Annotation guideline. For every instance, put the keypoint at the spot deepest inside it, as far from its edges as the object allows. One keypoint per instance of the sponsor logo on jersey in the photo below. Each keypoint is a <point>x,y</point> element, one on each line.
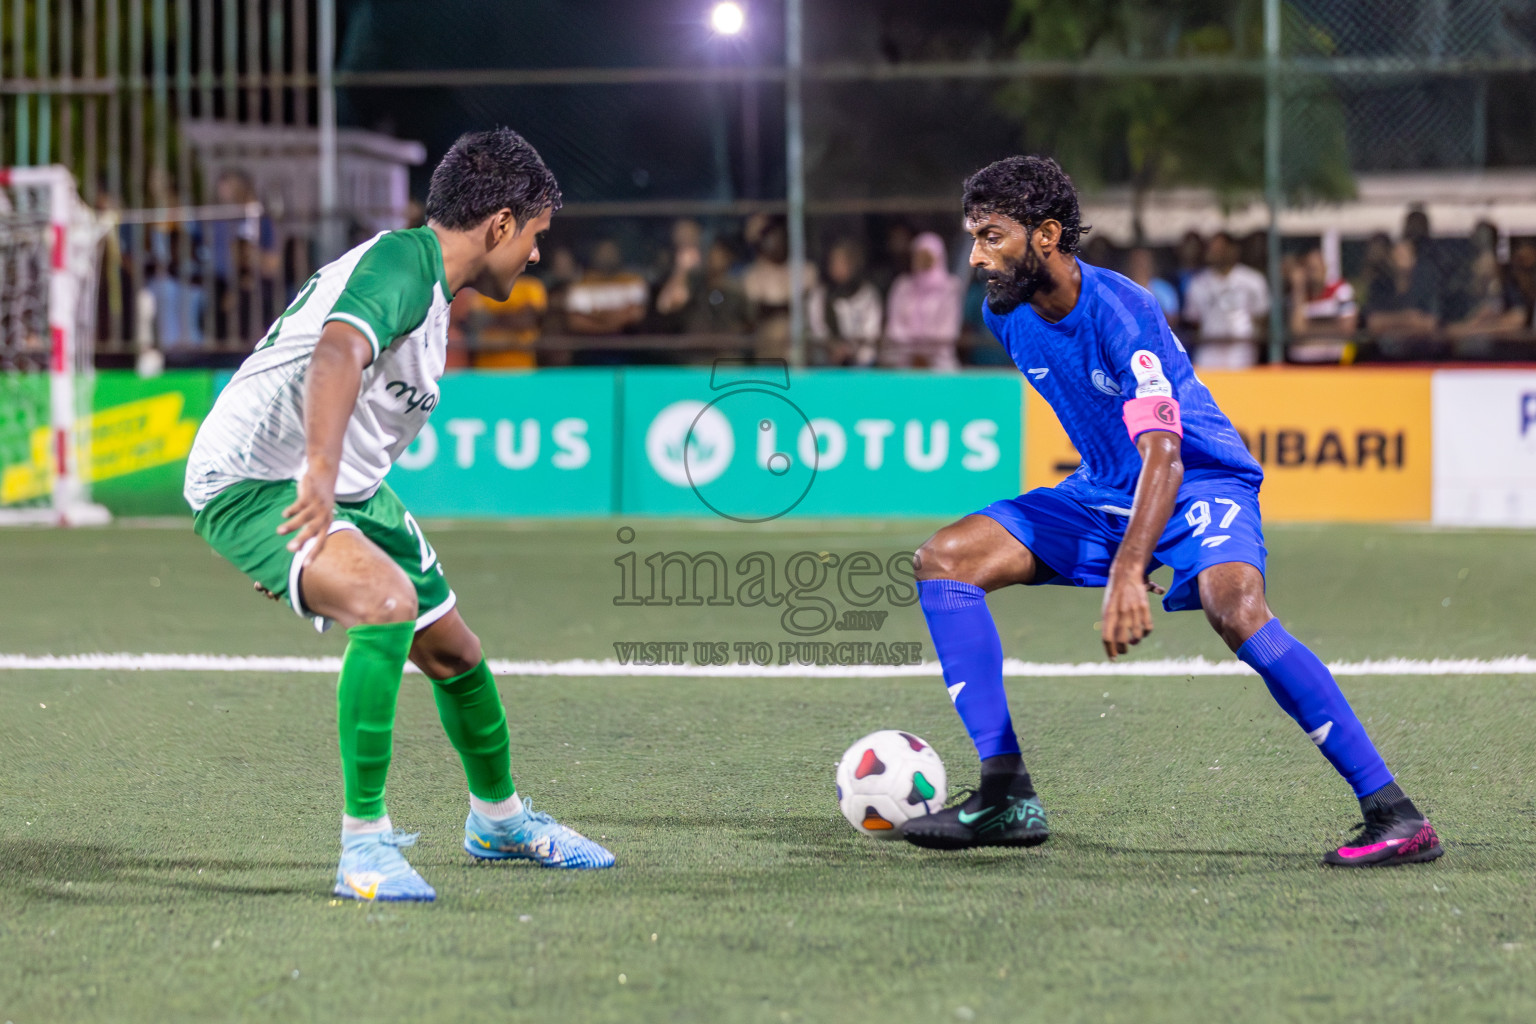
<point>1105,383</point>
<point>690,443</point>
<point>1038,372</point>
<point>414,399</point>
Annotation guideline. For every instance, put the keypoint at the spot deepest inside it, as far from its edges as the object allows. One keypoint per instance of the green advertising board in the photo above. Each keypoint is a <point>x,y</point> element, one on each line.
<point>744,442</point>
<point>141,434</point>
<point>514,444</point>
<point>752,443</point>
<point>141,431</point>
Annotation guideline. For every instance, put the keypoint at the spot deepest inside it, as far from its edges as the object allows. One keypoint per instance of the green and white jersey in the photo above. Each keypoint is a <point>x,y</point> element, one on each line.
<point>393,289</point>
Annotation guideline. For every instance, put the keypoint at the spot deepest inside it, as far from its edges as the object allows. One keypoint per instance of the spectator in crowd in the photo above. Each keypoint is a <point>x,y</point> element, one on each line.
<point>922,322</point>
<point>707,299</point>
<point>114,321</point>
<point>1520,280</point>
<point>1486,306</point>
<point>767,287</point>
<point>245,262</point>
<point>1227,301</point>
<point>173,282</point>
<point>844,314</point>
<point>1141,267</point>
<point>680,277</point>
<point>1376,263</point>
<point>1416,226</point>
<point>608,298</point>
<point>1403,299</point>
<point>895,260</point>
<point>1253,251</point>
<point>563,272</point>
<point>1445,265</point>
<point>1191,260</point>
<point>499,335</point>
<point>1323,312</point>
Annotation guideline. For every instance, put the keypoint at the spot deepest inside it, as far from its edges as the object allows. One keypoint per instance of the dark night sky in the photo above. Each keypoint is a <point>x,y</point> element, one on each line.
<point>650,142</point>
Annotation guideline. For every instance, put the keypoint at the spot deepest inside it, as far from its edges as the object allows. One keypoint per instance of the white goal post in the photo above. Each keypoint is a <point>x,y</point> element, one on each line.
<point>50,244</point>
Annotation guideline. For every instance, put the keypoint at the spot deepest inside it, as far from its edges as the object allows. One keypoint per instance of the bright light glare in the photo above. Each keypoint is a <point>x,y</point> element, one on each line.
<point>728,19</point>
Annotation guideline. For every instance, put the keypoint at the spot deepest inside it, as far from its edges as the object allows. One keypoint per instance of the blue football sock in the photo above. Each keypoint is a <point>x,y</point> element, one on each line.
<point>1305,689</point>
<point>965,639</point>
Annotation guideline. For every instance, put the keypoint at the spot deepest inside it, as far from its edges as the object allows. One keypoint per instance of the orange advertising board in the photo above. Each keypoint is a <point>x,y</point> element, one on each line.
<point>1344,445</point>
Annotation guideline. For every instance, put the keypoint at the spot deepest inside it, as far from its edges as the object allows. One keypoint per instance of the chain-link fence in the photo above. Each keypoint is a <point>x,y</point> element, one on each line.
<point>1177,120</point>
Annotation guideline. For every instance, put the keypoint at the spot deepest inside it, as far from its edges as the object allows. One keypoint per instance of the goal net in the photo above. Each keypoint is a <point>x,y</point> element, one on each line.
<point>50,243</point>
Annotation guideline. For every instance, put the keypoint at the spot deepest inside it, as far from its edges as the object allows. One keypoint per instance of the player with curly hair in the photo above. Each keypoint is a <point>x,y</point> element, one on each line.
<point>1164,480</point>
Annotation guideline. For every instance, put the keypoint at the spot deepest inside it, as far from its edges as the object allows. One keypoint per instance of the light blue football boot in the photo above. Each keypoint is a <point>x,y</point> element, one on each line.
<point>372,868</point>
<point>532,835</point>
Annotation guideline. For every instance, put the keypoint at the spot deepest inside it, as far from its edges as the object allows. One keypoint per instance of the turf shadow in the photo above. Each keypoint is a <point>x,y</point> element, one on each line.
<point>41,869</point>
<point>1292,857</point>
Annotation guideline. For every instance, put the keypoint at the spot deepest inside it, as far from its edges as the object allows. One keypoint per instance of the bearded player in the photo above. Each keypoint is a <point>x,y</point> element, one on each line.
<point>1164,480</point>
<point>287,481</point>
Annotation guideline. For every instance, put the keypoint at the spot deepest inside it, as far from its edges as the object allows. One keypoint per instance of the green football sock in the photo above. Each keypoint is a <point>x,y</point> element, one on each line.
<point>476,725</point>
<point>365,705</point>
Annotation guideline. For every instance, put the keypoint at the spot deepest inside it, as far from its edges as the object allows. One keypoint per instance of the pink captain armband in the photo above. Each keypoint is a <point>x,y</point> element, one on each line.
<point>1152,413</point>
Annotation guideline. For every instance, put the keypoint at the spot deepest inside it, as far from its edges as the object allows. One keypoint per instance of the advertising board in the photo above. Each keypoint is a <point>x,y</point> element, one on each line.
<point>1346,446</point>
<point>514,444</point>
<point>1485,448</point>
<point>752,443</point>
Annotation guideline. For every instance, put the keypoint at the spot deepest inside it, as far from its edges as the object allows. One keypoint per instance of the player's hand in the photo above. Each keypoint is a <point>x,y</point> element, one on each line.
<point>1127,615</point>
<point>309,517</point>
<point>264,592</point>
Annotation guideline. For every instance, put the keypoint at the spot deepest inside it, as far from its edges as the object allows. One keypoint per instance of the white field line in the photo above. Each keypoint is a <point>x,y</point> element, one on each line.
<point>1521,666</point>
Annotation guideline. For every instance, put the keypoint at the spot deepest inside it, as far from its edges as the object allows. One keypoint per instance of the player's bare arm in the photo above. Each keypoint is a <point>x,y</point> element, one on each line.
<point>330,396</point>
<point>1127,615</point>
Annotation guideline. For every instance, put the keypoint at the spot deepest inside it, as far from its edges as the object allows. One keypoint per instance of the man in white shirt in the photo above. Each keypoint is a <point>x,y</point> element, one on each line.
<point>1227,302</point>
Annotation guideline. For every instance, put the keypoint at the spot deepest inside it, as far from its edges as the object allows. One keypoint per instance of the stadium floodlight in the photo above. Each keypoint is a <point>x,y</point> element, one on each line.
<point>727,18</point>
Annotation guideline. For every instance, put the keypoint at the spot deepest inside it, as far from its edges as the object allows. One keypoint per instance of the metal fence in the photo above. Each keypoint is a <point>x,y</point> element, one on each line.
<point>854,119</point>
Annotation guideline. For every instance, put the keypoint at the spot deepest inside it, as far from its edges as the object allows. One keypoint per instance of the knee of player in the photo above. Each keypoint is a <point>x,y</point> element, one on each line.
<point>1237,616</point>
<point>393,603</point>
<point>940,557</point>
<point>462,657</point>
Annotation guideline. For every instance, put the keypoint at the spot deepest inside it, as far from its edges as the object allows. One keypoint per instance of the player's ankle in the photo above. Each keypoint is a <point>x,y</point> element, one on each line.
<point>497,810</point>
<point>351,826</point>
<point>1002,764</point>
<point>1004,776</point>
<point>1388,799</point>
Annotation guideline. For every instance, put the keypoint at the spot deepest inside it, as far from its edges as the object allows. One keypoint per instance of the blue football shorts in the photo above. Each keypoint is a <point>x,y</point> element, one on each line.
<point>1211,523</point>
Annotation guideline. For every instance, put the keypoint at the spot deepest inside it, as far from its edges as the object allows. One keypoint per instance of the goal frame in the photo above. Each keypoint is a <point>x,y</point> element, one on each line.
<point>70,501</point>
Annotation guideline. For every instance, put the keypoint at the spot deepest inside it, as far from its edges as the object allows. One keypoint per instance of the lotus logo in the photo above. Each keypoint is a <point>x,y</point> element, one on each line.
<point>690,443</point>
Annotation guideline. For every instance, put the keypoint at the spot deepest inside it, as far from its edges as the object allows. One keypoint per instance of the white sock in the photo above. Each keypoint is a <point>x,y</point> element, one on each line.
<point>351,826</point>
<point>496,809</point>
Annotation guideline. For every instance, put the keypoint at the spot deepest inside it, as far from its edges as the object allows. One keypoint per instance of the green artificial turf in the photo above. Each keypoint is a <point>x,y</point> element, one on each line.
<point>168,840</point>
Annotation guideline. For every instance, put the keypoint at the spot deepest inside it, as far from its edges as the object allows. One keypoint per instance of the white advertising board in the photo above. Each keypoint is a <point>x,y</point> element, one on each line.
<point>1485,447</point>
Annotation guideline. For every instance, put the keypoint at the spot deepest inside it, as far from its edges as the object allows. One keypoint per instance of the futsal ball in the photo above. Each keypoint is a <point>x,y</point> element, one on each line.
<point>887,778</point>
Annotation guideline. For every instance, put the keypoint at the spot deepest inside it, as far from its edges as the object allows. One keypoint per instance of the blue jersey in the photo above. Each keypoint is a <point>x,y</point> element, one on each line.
<point>1115,347</point>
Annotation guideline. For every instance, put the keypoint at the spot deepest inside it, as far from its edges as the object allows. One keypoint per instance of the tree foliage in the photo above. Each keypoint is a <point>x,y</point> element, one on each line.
<point>1201,130</point>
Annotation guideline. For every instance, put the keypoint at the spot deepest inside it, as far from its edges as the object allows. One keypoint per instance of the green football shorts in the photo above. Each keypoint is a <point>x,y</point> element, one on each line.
<point>241,524</point>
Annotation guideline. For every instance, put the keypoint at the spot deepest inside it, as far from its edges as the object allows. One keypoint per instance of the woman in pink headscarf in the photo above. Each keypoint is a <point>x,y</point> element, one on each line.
<point>923,312</point>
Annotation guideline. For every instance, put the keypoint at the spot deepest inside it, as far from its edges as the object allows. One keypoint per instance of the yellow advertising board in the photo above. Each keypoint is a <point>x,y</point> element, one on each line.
<point>1342,445</point>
